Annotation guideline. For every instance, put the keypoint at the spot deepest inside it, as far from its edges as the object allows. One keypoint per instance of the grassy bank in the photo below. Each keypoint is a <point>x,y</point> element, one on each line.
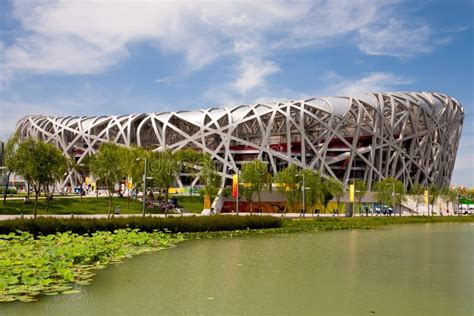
<point>92,205</point>
<point>335,223</point>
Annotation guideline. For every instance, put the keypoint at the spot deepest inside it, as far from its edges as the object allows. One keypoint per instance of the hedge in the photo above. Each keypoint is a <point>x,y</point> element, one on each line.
<point>51,225</point>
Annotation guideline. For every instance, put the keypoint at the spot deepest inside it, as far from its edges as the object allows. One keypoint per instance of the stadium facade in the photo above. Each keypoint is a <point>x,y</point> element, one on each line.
<point>410,136</point>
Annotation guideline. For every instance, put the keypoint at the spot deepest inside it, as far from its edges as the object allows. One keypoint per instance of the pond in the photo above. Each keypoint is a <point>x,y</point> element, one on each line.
<point>424,269</point>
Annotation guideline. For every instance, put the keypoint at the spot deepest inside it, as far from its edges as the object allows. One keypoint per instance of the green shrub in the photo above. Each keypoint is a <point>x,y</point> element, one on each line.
<point>9,190</point>
<point>49,225</point>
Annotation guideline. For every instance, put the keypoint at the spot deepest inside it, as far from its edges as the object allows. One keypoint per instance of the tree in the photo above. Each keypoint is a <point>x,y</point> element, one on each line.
<point>434,191</point>
<point>390,191</point>
<point>134,166</point>
<point>337,190</point>
<point>416,193</point>
<point>360,189</point>
<point>59,169</point>
<point>10,161</point>
<point>255,176</point>
<point>82,169</point>
<point>163,169</point>
<point>209,177</point>
<point>289,182</point>
<point>107,166</point>
<point>449,196</point>
<point>327,192</point>
<point>314,188</point>
<point>40,164</point>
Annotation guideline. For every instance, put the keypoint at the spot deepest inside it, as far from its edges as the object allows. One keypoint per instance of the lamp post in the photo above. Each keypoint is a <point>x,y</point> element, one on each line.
<point>303,189</point>
<point>145,171</point>
<point>393,196</point>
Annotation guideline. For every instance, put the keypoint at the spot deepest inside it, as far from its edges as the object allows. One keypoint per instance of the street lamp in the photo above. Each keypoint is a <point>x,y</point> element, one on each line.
<point>144,184</point>
<point>393,196</point>
<point>303,190</point>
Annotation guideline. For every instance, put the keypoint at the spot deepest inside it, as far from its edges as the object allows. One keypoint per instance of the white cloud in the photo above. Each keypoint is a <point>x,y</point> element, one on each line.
<point>372,82</point>
<point>395,38</point>
<point>88,37</point>
<point>252,74</point>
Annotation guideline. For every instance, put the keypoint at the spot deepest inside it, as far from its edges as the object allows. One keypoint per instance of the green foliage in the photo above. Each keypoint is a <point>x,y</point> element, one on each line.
<point>54,263</point>
<point>450,196</point>
<point>360,190</point>
<point>49,225</point>
<point>289,181</point>
<point>340,223</point>
<point>337,189</point>
<point>331,187</point>
<point>209,177</point>
<point>10,151</point>
<point>417,194</point>
<point>163,167</point>
<point>73,205</point>
<point>189,157</point>
<point>133,168</point>
<point>314,187</point>
<point>40,164</point>
<point>192,204</point>
<point>108,167</point>
<point>4,190</point>
<point>386,189</point>
<point>255,177</point>
<point>434,192</point>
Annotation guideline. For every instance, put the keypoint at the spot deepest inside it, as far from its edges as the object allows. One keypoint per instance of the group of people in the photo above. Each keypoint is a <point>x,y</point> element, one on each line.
<point>161,203</point>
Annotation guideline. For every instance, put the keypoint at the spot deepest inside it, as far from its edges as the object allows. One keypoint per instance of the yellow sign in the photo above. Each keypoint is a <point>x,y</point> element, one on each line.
<point>426,197</point>
<point>351,193</point>
<point>175,190</point>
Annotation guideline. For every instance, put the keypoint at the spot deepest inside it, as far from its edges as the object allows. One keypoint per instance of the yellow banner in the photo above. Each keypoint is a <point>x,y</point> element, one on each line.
<point>207,201</point>
<point>426,197</point>
<point>235,186</point>
<point>351,193</point>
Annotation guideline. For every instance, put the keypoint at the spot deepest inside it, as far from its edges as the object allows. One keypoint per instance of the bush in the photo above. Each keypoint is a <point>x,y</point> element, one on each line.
<point>9,191</point>
<point>49,225</point>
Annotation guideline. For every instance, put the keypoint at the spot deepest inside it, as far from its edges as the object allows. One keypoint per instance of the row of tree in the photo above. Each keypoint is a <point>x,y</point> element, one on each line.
<point>43,165</point>
<point>320,190</point>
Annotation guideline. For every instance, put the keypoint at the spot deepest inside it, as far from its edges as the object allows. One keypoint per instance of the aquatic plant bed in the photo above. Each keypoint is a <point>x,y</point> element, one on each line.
<point>52,264</point>
<point>36,263</point>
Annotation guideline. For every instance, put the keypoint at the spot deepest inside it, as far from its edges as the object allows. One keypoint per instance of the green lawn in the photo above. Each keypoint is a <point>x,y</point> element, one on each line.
<point>93,205</point>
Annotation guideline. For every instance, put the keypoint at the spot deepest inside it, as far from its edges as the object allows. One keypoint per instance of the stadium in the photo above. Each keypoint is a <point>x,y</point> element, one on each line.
<point>411,136</point>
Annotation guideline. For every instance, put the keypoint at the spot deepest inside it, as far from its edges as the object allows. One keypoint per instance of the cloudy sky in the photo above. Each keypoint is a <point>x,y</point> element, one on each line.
<point>115,57</point>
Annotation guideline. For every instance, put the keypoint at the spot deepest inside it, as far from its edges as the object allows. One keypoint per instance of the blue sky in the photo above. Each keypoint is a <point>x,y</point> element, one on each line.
<point>110,57</point>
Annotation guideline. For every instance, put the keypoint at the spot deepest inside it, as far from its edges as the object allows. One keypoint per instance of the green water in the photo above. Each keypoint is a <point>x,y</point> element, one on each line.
<point>399,270</point>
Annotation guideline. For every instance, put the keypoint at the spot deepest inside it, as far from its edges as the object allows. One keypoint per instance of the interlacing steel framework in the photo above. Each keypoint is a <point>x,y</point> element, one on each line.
<point>406,135</point>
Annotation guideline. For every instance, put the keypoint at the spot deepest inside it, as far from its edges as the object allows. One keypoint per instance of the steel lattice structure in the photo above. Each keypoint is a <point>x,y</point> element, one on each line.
<point>410,136</point>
